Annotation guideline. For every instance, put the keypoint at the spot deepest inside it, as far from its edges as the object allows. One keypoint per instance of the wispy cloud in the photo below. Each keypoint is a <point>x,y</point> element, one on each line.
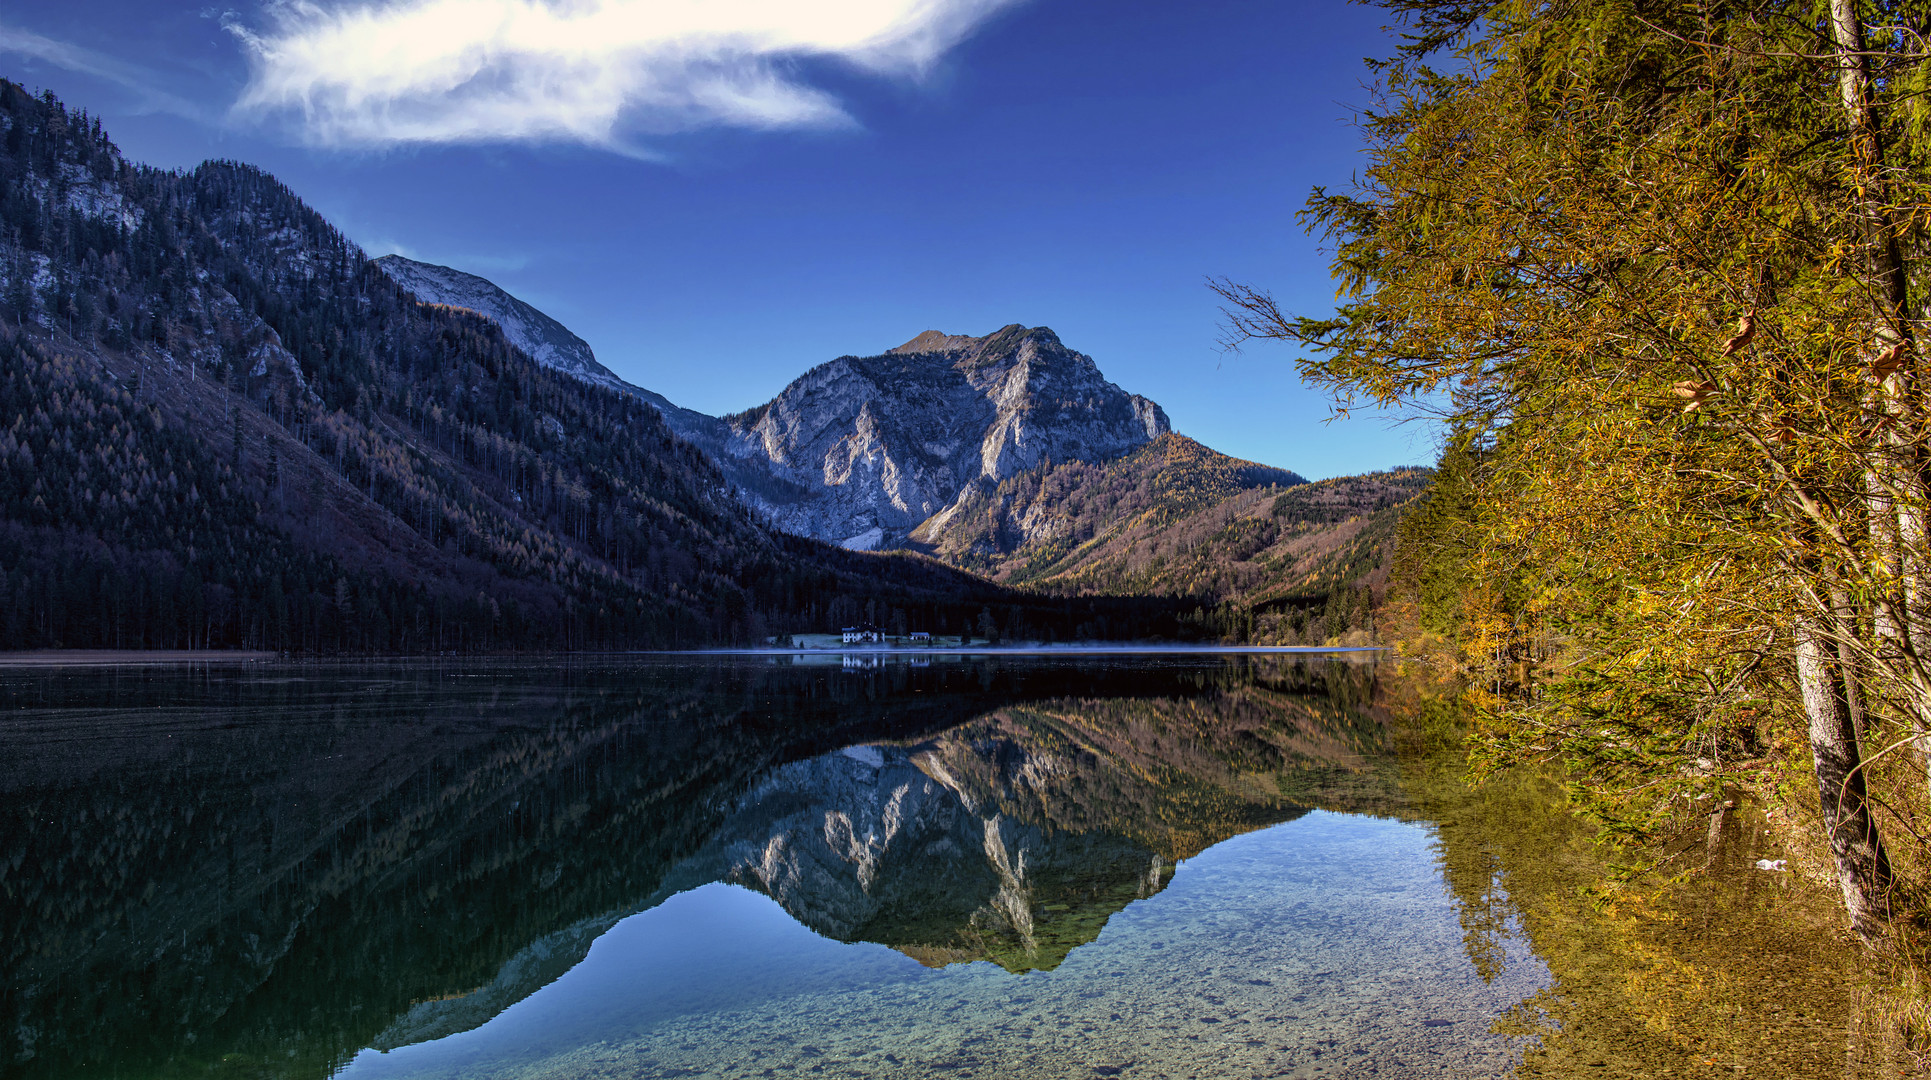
<point>88,62</point>
<point>600,72</point>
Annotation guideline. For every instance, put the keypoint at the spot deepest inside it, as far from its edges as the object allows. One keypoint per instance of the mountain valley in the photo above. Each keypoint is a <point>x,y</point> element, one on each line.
<point>231,428</point>
<point>1012,457</point>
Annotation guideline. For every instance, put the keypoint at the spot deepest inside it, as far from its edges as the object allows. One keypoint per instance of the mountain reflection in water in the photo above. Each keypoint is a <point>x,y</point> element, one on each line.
<point>225,866</point>
<point>1012,837</point>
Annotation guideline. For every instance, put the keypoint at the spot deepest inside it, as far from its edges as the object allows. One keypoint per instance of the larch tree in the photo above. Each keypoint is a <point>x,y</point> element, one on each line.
<point>1661,268</point>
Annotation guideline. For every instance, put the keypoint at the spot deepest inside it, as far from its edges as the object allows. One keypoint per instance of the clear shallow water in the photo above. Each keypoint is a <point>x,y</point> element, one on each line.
<point>1321,947</point>
<point>1182,866</point>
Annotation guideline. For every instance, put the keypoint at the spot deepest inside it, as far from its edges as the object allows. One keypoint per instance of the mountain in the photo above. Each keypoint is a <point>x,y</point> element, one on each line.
<point>542,339</point>
<point>222,426</point>
<point>1176,518</point>
<point>861,451</point>
<point>1307,565</point>
<point>1036,519</point>
<point>875,446</point>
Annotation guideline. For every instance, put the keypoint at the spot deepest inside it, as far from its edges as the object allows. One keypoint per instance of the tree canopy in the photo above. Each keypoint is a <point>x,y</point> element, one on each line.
<point>1660,270</point>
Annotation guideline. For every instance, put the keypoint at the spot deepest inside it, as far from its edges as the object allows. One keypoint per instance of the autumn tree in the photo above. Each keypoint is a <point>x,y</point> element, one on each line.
<point>1661,270</point>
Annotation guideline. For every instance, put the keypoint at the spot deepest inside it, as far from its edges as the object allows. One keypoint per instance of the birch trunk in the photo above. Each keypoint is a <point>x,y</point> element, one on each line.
<point>1895,487</point>
<point>1863,868</point>
<point>1844,614</point>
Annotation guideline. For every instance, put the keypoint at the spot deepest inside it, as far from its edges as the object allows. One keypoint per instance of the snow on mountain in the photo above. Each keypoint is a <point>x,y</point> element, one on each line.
<point>547,341</point>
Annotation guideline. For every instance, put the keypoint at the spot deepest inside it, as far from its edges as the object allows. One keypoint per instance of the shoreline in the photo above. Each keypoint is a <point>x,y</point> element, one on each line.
<point>118,657</point>
<point>159,657</point>
<point>1024,650</point>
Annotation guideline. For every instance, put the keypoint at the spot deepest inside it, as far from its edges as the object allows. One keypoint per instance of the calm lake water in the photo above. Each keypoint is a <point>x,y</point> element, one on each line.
<point>1187,866</point>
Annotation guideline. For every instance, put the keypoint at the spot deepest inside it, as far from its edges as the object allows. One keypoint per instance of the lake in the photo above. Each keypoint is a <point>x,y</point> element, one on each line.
<point>864,865</point>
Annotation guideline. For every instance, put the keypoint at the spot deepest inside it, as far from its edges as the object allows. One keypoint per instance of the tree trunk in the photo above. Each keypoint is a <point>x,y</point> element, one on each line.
<point>1896,487</point>
<point>1883,257</point>
<point>1863,869</point>
<point>1844,614</point>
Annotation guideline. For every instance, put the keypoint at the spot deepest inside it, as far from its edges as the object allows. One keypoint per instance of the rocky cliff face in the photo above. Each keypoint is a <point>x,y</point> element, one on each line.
<point>866,449</point>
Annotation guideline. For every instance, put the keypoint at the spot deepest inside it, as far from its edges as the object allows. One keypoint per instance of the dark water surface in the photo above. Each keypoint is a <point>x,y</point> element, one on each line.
<point>1189,866</point>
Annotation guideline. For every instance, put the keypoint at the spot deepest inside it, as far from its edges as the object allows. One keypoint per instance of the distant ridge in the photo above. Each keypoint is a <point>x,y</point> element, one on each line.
<point>542,338</point>
<point>1010,455</point>
<point>1265,551</point>
<point>860,451</point>
<point>1043,521</point>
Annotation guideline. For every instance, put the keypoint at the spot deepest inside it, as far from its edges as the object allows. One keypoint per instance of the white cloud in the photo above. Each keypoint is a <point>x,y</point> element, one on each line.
<point>590,71</point>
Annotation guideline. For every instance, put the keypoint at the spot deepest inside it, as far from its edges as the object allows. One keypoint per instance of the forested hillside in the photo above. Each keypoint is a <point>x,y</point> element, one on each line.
<point>1258,553</point>
<point>221,426</point>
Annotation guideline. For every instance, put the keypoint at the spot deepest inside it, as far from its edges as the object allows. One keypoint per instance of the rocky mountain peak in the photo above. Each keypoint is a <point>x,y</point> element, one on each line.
<point>935,341</point>
<point>966,351</point>
<point>874,446</point>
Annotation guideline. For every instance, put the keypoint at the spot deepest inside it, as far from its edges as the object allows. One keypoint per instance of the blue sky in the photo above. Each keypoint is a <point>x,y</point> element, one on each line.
<point>772,183</point>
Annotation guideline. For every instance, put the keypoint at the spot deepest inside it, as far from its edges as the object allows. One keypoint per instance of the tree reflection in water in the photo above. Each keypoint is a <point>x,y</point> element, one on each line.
<point>1705,966</point>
